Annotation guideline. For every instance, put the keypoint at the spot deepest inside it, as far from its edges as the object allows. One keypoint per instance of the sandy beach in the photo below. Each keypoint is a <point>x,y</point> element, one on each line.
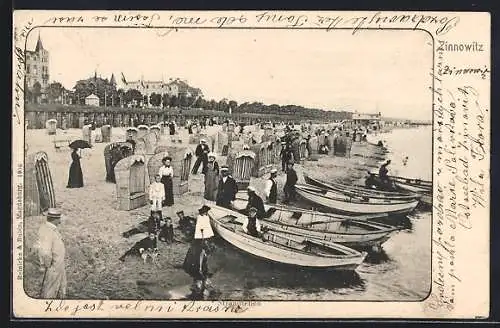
<point>92,227</point>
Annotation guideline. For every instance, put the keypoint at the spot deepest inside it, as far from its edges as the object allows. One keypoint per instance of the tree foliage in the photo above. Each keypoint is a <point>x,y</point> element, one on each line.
<point>133,96</point>
<point>54,92</point>
<point>155,99</point>
<point>36,92</point>
<point>102,88</point>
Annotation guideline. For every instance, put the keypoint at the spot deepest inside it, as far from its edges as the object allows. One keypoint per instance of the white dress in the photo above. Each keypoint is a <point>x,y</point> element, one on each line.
<point>203,223</point>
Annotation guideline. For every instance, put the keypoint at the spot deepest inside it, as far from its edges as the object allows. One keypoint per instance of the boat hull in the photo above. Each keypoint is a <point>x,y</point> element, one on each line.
<point>241,201</point>
<point>361,191</point>
<point>412,188</point>
<point>267,251</point>
<point>425,193</point>
<point>342,206</point>
<point>354,240</point>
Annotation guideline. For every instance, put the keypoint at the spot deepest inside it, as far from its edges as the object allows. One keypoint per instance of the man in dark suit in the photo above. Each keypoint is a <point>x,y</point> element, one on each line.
<point>291,180</point>
<point>166,231</point>
<point>201,153</point>
<point>254,201</point>
<point>186,224</point>
<point>286,155</point>
<point>227,189</point>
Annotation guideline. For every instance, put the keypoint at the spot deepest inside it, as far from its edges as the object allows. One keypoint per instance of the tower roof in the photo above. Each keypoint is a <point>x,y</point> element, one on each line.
<point>39,45</point>
<point>112,79</point>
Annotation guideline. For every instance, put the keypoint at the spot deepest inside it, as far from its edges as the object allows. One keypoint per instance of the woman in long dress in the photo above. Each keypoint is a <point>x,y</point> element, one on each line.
<point>166,173</point>
<point>75,179</point>
<point>211,178</point>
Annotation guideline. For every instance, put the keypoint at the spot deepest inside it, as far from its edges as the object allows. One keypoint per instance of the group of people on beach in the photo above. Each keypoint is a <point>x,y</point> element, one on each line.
<point>220,187</point>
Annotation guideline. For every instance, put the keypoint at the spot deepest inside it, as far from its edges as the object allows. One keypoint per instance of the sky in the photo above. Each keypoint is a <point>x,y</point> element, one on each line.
<point>372,71</point>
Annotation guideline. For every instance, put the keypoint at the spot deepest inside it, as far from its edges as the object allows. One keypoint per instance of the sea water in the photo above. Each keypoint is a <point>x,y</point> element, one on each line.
<point>400,272</point>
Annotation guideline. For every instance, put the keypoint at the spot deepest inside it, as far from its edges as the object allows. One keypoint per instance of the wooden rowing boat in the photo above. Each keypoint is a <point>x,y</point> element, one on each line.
<point>418,183</point>
<point>425,193</point>
<point>412,187</point>
<point>417,186</point>
<point>323,226</point>
<point>354,205</point>
<point>282,247</point>
<point>353,190</point>
<point>241,202</point>
<point>357,231</point>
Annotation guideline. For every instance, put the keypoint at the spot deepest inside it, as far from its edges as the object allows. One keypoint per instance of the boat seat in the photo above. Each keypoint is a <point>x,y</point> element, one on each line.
<point>276,215</point>
<point>270,212</point>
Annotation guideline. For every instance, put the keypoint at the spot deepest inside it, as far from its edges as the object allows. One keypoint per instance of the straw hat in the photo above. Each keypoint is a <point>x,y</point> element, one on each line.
<point>204,209</point>
<point>53,213</point>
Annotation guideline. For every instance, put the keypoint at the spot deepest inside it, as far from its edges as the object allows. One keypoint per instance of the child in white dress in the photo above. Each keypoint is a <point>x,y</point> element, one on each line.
<point>156,194</point>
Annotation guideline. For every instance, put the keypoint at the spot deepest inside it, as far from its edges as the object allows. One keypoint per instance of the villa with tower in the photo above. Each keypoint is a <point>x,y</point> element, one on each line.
<point>37,72</point>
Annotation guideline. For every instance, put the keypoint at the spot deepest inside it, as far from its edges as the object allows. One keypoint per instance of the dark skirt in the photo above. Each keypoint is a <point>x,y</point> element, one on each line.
<point>75,179</point>
<point>196,165</point>
<point>169,190</point>
<point>191,263</point>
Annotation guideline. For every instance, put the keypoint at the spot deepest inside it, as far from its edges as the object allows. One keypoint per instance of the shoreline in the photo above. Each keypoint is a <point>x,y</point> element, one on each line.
<point>92,227</point>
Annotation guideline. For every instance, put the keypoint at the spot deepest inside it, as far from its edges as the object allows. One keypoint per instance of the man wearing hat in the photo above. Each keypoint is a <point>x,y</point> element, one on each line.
<point>187,224</point>
<point>51,251</point>
<point>383,175</point>
<point>254,201</point>
<point>286,155</point>
<point>227,188</point>
<point>291,180</point>
<point>271,189</point>
<point>251,225</point>
<point>201,153</point>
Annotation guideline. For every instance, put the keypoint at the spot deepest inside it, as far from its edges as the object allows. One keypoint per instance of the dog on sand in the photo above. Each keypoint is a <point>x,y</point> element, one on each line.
<point>150,253</point>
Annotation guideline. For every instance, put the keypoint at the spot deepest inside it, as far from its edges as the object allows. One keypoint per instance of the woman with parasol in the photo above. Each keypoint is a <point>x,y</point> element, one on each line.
<point>75,179</point>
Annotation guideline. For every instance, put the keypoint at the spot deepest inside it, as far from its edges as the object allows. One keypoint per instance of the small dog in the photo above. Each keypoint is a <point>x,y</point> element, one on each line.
<point>150,253</point>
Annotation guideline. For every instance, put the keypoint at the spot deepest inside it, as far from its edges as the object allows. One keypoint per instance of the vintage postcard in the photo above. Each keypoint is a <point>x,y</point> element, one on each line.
<point>251,164</point>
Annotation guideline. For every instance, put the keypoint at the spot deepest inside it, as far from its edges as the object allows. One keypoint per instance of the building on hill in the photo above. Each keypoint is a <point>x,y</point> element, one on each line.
<point>37,71</point>
<point>371,121</point>
<point>103,88</point>
<point>174,87</point>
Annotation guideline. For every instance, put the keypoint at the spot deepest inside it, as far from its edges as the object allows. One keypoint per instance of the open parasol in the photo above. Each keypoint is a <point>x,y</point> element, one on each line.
<point>79,144</point>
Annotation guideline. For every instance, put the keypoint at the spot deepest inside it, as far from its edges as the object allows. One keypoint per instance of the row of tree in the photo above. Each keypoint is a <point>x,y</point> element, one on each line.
<point>110,96</point>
